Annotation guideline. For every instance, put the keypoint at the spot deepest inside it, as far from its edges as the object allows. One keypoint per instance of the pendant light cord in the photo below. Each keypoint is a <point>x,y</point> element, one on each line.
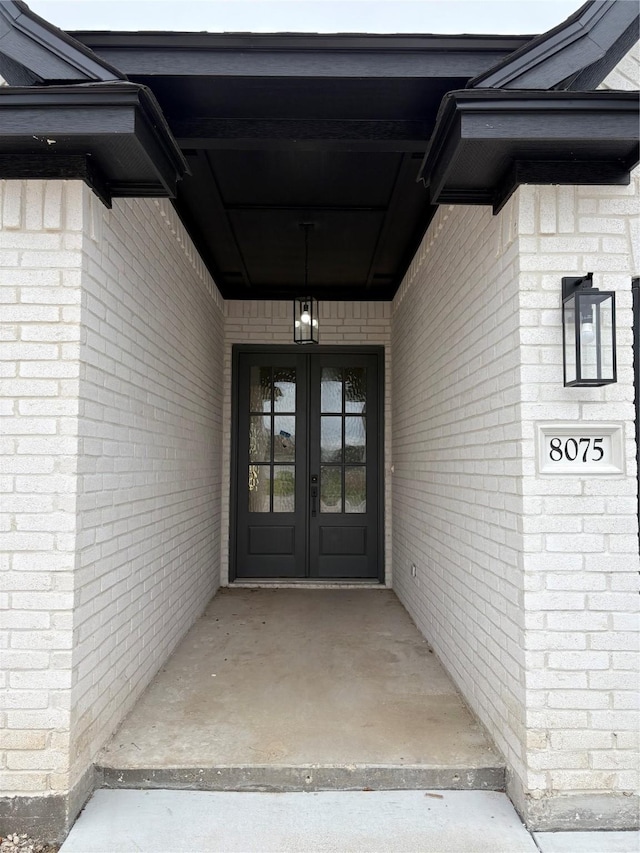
<point>306,227</point>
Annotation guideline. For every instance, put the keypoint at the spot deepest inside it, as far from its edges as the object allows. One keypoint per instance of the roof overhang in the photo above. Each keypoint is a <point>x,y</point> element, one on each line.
<point>113,135</point>
<point>254,134</point>
<point>280,129</point>
<point>488,142</point>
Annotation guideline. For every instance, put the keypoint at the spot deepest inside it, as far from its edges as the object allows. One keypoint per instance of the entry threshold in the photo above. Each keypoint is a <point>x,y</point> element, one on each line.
<point>304,583</point>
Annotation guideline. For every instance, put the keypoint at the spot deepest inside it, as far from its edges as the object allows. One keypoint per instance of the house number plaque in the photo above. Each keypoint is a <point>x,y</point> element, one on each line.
<point>579,448</point>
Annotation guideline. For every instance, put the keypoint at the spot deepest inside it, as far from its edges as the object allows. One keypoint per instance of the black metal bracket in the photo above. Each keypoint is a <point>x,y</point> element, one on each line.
<point>572,283</point>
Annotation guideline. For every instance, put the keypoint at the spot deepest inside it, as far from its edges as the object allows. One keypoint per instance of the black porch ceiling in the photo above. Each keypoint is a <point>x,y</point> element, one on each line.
<point>281,130</point>
<point>357,135</point>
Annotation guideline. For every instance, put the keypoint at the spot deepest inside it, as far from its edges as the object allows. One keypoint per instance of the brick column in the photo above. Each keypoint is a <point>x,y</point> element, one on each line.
<point>580,540</point>
<point>40,273</point>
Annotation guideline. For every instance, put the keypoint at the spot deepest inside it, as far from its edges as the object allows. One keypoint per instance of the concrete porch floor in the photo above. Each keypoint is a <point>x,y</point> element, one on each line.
<point>300,689</point>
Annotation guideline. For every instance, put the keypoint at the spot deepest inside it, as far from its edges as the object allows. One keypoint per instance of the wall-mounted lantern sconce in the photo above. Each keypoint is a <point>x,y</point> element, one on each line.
<point>305,308</point>
<point>589,332</point>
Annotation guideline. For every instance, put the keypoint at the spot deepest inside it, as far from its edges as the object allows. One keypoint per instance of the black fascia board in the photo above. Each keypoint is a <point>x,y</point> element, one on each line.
<point>118,126</point>
<point>302,134</point>
<point>300,55</point>
<point>577,54</point>
<point>286,42</point>
<point>506,120</point>
<point>37,52</point>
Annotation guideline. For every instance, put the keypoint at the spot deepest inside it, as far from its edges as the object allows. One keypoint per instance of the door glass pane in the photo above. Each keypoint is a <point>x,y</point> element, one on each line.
<point>330,489</point>
<point>331,389</point>
<point>284,389</point>
<point>284,488</point>
<point>331,439</point>
<point>355,439</point>
<point>355,389</point>
<point>259,488</point>
<point>260,389</point>
<point>284,438</point>
<point>355,489</point>
<point>260,438</point>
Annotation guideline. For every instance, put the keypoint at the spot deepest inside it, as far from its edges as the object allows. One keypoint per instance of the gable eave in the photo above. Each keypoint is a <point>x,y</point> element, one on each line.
<point>37,52</point>
<point>581,51</point>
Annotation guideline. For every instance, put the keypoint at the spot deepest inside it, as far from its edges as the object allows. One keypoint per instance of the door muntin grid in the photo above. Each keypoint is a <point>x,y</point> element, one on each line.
<point>343,440</point>
<point>272,439</point>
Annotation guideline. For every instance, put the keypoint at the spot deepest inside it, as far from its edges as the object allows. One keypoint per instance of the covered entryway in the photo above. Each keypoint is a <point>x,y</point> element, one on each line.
<point>307,478</point>
<point>451,182</point>
<point>302,689</point>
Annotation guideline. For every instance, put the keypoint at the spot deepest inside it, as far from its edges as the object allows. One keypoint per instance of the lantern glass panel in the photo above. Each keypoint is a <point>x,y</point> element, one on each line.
<point>569,339</point>
<point>305,317</point>
<point>597,338</point>
<point>589,337</point>
<point>589,334</point>
<point>607,336</point>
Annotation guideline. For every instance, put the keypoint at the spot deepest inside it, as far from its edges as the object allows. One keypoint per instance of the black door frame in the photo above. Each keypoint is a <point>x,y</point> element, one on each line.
<point>366,349</point>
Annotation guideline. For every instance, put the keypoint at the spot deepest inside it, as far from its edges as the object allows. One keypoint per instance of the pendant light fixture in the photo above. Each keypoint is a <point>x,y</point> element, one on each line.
<point>305,308</point>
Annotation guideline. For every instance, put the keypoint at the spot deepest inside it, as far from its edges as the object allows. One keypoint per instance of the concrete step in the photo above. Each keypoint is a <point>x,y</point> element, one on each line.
<point>311,777</point>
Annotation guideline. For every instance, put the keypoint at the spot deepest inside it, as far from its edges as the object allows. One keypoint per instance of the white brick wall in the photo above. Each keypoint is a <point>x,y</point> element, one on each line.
<point>113,368</point>
<point>340,323</point>
<point>40,294</point>
<point>150,452</point>
<point>457,500</point>
<point>527,587</point>
<point>580,533</point>
<point>581,545</point>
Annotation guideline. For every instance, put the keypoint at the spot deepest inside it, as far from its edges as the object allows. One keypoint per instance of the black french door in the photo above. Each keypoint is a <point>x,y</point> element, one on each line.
<point>306,491</point>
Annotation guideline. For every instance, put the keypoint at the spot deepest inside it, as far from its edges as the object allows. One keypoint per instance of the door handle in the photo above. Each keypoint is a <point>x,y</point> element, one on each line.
<point>314,494</point>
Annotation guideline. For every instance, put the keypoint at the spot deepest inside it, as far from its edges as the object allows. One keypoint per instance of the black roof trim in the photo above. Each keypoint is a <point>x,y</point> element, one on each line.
<point>116,128</point>
<point>143,56</point>
<point>286,42</point>
<point>37,52</point>
<point>556,137</point>
<point>579,53</point>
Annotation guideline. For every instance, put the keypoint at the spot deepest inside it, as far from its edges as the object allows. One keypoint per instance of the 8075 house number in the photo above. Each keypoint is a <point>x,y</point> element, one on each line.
<point>572,448</point>
<point>584,449</point>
